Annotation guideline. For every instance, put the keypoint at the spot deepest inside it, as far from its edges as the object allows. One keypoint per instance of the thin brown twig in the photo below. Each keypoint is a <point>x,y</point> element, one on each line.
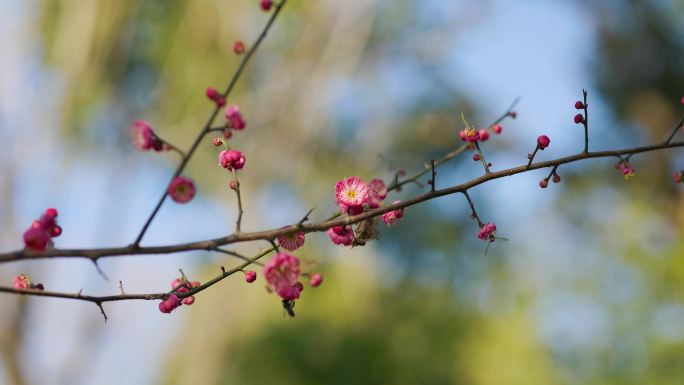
<point>99,300</point>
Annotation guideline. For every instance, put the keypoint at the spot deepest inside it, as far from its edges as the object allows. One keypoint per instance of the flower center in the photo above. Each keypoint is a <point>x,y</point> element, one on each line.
<point>351,194</point>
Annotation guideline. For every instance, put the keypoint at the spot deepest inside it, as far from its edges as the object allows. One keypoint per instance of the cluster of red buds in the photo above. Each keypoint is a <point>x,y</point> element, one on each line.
<point>41,232</point>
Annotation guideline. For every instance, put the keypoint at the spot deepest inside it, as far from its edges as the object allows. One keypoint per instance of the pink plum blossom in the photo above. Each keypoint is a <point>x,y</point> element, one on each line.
<point>391,217</point>
<point>292,241</point>
<point>486,231</point>
<point>341,235</point>
<point>282,274</point>
<point>377,192</point>
<point>181,189</point>
<point>234,116</point>
<point>232,159</point>
<point>351,191</point>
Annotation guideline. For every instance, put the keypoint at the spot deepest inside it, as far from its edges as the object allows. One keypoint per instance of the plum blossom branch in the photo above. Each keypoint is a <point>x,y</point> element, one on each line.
<point>269,235</point>
<point>99,300</point>
<point>494,127</point>
<point>207,126</point>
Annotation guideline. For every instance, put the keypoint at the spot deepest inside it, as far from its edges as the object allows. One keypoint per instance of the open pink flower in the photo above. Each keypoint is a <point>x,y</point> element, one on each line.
<point>486,231</point>
<point>282,274</point>
<point>391,217</point>
<point>341,235</point>
<point>181,189</point>
<point>469,134</point>
<point>292,241</point>
<point>234,116</point>
<point>232,159</point>
<point>21,281</point>
<point>377,192</point>
<point>351,191</point>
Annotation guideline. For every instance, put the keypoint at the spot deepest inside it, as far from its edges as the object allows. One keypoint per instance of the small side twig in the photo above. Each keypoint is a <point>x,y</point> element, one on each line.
<point>472,208</point>
<point>238,221</point>
<point>433,181</point>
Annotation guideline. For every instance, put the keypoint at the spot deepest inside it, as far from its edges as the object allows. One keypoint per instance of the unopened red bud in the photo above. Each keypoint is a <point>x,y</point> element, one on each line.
<point>529,156</point>
<point>579,118</point>
<point>250,276</point>
<point>556,178</point>
<point>579,105</point>
<point>429,181</point>
<point>497,129</point>
<point>232,184</point>
<point>212,93</point>
<point>239,47</point>
<point>55,231</point>
<point>227,134</point>
<point>221,101</point>
<point>543,141</point>
<point>489,164</point>
<point>217,142</point>
<point>513,114</point>
<point>476,157</point>
<point>543,183</point>
<point>266,5</point>
<point>677,177</point>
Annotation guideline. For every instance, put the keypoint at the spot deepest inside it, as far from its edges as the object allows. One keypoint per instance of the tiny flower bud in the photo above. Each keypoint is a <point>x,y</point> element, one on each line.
<point>55,231</point>
<point>227,134</point>
<point>316,279</point>
<point>212,93</point>
<point>298,286</point>
<point>677,177</point>
<point>476,157</point>
<point>189,300</point>
<point>489,164</point>
<point>239,47</point>
<point>484,135</point>
<point>543,183</point>
<point>497,129</point>
<point>543,141</point>
<point>579,118</point>
<point>556,178</point>
<point>513,114</point>
<point>250,276</point>
<point>682,100</point>
<point>218,142</point>
<point>51,213</point>
<point>232,184</point>
<point>220,101</point>
<point>529,156</point>
<point>579,105</point>
<point>266,5</point>
<point>429,181</point>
